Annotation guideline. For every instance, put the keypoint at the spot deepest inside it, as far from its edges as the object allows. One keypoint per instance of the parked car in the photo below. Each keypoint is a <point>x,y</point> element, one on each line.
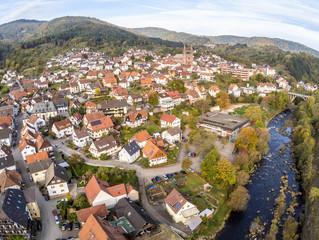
<point>62,200</point>
<point>169,175</point>
<point>158,179</point>
<point>165,177</point>
<point>70,226</point>
<point>55,213</point>
<point>183,172</point>
<point>28,170</point>
<point>39,226</point>
<point>31,178</point>
<point>64,225</point>
<point>154,180</point>
<point>190,154</point>
<point>193,154</point>
<point>185,140</point>
<point>47,197</point>
<point>22,184</point>
<point>19,170</point>
<point>76,226</point>
<point>57,221</point>
<point>191,170</point>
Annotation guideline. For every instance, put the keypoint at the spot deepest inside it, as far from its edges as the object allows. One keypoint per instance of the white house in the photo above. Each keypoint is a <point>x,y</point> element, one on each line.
<point>266,87</point>
<point>5,136</point>
<point>81,138</point>
<point>56,181</point>
<point>213,90</point>
<point>182,210</point>
<point>130,152</point>
<point>234,89</point>
<point>106,145</point>
<point>172,135</point>
<point>154,155</point>
<point>100,192</point>
<point>170,121</point>
<point>27,148</point>
<point>62,128</point>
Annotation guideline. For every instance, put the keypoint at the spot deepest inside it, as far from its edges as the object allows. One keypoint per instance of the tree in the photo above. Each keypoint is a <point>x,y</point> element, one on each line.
<point>102,173</point>
<point>314,194</point>
<point>239,199</point>
<point>242,160</point>
<point>97,91</point>
<point>290,228</point>
<point>207,166</point>
<point>282,99</point>
<point>202,105</point>
<point>247,138</point>
<point>81,201</point>
<point>254,113</point>
<point>222,99</point>
<point>153,99</point>
<point>186,163</point>
<point>81,110</point>
<point>225,172</point>
<point>177,85</point>
<point>103,156</point>
<point>242,178</point>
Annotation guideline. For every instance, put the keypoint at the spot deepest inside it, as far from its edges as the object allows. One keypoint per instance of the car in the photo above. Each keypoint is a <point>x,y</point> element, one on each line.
<point>191,170</point>
<point>62,200</point>
<point>70,238</point>
<point>185,140</point>
<point>169,175</point>
<point>183,172</point>
<point>55,213</point>
<point>76,148</point>
<point>39,226</point>
<point>19,170</point>
<point>158,179</point>
<point>22,184</point>
<point>176,173</point>
<point>46,197</point>
<point>31,178</point>
<point>165,177</point>
<point>154,180</point>
<point>70,226</point>
<point>190,154</point>
<point>57,221</point>
<point>76,226</point>
<point>64,225</point>
<point>28,170</point>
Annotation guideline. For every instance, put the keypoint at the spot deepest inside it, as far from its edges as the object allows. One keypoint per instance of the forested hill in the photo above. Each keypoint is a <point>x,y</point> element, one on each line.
<point>301,66</point>
<point>61,34</point>
<point>282,44</point>
<point>19,30</point>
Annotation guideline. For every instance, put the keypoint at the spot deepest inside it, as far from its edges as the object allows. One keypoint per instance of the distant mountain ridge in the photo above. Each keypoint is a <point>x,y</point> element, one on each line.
<point>282,44</point>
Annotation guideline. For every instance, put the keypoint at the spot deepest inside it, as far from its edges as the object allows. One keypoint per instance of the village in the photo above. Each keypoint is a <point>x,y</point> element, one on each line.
<point>95,146</point>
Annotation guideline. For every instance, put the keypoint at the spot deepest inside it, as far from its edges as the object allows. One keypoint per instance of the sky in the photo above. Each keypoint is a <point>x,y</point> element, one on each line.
<point>295,20</point>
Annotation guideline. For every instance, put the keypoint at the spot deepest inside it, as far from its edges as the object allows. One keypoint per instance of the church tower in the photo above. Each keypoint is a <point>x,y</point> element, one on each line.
<point>188,57</point>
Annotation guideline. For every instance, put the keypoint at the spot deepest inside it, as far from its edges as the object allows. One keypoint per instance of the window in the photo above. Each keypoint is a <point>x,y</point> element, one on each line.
<point>52,186</point>
<point>54,192</point>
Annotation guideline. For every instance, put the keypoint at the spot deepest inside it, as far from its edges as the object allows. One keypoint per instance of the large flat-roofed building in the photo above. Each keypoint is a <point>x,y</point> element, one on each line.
<point>223,124</point>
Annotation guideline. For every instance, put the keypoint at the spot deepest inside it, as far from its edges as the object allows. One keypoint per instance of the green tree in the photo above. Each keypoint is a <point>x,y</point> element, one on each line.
<point>154,99</point>
<point>242,178</point>
<point>225,172</point>
<point>103,156</point>
<point>81,201</point>
<point>222,99</point>
<point>254,113</point>
<point>282,99</point>
<point>238,199</point>
<point>102,173</point>
<point>81,110</point>
<point>186,163</point>
<point>177,85</point>
<point>290,228</point>
<point>208,164</point>
<point>247,138</point>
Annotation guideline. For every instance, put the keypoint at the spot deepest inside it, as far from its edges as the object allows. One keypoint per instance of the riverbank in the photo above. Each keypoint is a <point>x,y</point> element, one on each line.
<point>265,185</point>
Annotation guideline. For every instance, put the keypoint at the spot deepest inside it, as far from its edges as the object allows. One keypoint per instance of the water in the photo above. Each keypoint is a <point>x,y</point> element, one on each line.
<point>266,178</point>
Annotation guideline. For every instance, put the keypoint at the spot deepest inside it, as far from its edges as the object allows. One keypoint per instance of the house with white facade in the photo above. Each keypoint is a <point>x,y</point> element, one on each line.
<point>56,181</point>
<point>266,88</point>
<point>81,138</point>
<point>234,90</point>
<point>172,135</point>
<point>106,145</point>
<point>154,155</point>
<point>213,90</point>
<point>170,121</point>
<point>62,128</point>
<point>100,192</point>
<point>130,152</point>
<point>182,210</point>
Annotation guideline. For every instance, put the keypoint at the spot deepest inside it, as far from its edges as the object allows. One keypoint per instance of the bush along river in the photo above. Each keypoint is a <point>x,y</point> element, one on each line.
<point>275,198</point>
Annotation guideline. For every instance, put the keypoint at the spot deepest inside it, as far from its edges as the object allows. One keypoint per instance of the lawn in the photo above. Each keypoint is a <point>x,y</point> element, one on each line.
<point>239,111</point>
<point>192,181</point>
<point>100,99</point>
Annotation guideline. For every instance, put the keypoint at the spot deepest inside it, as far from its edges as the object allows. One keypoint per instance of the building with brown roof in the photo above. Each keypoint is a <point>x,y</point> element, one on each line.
<point>90,107</point>
<point>99,127</point>
<point>170,121</point>
<point>37,157</point>
<point>154,154</point>
<point>182,210</point>
<point>97,228</point>
<point>62,128</point>
<point>106,145</point>
<point>98,210</point>
<point>9,179</point>
<point>100,192</point>
<point>92,116</point>
<point>141,138</point>
<point>136,118</point>
<point>109,80</point>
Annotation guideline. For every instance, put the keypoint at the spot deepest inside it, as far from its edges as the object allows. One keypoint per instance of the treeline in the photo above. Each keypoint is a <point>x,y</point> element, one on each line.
<point>305,137</point>
<point>300,66</point>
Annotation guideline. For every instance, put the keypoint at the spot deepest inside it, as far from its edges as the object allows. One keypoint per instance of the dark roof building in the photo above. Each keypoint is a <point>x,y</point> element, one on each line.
<point>131,148</point>
<point>136,216</point>
<point>223,124</point>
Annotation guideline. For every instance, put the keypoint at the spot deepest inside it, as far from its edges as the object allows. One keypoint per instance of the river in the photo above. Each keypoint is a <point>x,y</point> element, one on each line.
<point>266,177</point>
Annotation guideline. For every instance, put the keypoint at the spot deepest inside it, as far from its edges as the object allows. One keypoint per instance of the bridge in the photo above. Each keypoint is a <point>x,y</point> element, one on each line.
<point>292,96</point>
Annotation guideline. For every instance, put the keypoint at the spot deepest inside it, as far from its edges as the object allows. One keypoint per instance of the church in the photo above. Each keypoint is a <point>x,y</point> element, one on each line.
<point>186,58</point>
